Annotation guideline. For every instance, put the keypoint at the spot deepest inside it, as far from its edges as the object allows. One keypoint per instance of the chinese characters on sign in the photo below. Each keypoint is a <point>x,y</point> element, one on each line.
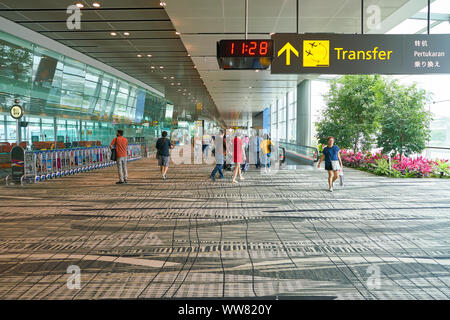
<point>428,63</point>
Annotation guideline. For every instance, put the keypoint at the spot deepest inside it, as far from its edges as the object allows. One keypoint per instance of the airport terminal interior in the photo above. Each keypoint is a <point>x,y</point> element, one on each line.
<point>256,87</point>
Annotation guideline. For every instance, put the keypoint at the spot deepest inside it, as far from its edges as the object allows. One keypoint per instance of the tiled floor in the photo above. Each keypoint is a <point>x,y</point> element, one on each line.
<point>271,235</point>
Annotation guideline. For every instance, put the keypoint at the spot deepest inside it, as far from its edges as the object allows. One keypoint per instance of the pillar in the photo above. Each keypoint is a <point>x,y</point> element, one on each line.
<point>304,113</point>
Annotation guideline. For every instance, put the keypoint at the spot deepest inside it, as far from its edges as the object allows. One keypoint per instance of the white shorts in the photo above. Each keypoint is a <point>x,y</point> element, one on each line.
<point>335,165</point>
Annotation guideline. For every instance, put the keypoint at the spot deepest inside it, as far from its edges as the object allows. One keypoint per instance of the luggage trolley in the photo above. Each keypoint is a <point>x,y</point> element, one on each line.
<point>41,165</point>
<point>83,160</point>
<point>71,161</point>
<point>87,164</point>
<point>78,161</point>
<point>58,164</point>
<point>29,174</point>
<point>66,167</point>
<point>91,158</point>
<point>49,164</point>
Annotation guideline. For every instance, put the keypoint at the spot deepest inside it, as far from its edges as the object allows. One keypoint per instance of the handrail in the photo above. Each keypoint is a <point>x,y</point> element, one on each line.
<point>439,148</point>
<point>306,152</point>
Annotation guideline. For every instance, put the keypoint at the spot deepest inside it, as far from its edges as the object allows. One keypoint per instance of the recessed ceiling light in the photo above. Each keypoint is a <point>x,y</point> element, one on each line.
<point>171,77</point>
<point>139,55</point>
<point>126,33</point>
<point>96,4</point>
<point>272,33</point>
<point>178,84</point>
<point>113,34</point>
<point>184,94</point>
<point>177,33</point>
<point>149,55</point>
<point>165,78</point>
<point>163,4</point>
<point>79,5</point>
<point>152,67</point>
<point>256,70</point>
<point>249,87</point>
<point>172,84</point>
<point>179,89</point>
<point>195,67</point>
<point>189,55</point>
<point>161,67</point>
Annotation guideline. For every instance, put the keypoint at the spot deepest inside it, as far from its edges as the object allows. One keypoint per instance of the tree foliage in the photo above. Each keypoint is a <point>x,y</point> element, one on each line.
<point>405,125</point>
<point>364,111</point>
<point>353,112</point>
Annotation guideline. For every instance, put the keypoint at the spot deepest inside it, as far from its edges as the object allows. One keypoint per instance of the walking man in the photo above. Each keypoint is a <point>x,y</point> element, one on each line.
<point>219,154</point>
<point>333,162</point>
<point>163,145</point>
<point>121,145</point>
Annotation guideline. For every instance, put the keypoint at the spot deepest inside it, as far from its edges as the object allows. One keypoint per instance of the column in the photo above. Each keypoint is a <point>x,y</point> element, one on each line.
<point>287,117</point>
<point>304,113</point>
<point>55,131</point>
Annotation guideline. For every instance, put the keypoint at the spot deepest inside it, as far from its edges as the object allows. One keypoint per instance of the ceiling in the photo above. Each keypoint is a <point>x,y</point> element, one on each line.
<point>238,93</point>
<point>190,58</point>
<point>151,32</point>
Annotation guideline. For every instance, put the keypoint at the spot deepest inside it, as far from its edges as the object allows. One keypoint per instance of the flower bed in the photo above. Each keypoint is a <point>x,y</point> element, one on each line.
<point>378,163</point>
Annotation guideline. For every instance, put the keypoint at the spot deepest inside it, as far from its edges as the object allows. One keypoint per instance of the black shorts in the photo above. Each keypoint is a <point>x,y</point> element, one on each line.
<point>328,166</point>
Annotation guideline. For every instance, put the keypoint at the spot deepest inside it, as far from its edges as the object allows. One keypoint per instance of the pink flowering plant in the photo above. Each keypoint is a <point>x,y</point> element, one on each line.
<point>407,167</point>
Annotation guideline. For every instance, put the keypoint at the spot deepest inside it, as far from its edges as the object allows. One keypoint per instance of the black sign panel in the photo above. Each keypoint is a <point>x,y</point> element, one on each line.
<point>17,163</point>
<point>244,54</point>
<point>361,54</point>
<point>245,48</point>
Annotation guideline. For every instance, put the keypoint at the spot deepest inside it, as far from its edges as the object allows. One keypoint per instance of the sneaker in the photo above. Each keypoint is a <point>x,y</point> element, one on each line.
<point>341,181</point>
<point>234,181</point>
<point>213,179</point>
<point>164,177</point>
<point>331,189</point>
<point>126,181</point>
<point>119,182</point>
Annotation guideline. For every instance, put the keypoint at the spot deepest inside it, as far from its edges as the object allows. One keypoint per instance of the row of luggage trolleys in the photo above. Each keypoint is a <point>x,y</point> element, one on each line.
<point>45,165</point>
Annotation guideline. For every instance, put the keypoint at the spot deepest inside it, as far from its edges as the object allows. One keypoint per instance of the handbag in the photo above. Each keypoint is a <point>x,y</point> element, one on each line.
<point>113,152</point>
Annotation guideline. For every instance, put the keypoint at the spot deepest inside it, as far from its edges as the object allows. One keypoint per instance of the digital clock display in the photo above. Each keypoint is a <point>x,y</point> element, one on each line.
<point>245,48</point>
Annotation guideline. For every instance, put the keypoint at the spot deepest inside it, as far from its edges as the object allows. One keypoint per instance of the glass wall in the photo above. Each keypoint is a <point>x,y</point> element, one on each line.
<point>283,125</point>
<point>274,121</point>
<point>65,100</point>
<point>319,88</point>
<point>282,118</point>
<point>292,116</point>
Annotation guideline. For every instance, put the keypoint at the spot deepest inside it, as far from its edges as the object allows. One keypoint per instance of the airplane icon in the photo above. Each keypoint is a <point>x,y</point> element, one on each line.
<point>313,44</point>
<point>309,52</point>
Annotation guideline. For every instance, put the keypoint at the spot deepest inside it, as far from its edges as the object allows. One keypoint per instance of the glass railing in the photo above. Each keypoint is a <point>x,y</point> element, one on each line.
<point>437,152</point>
<point>305,152</point>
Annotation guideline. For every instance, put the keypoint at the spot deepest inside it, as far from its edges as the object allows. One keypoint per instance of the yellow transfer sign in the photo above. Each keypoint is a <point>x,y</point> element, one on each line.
<point>316,53</point>
<point>330,53</point>
<point>288,48</point>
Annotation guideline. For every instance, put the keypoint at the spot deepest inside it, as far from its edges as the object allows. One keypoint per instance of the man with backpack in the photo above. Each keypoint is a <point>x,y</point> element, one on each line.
<point>163,145</point>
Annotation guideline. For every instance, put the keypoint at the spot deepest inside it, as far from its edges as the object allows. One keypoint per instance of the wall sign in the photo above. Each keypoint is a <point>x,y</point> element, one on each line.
<point>16,111</point>
<point>360,54</point>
